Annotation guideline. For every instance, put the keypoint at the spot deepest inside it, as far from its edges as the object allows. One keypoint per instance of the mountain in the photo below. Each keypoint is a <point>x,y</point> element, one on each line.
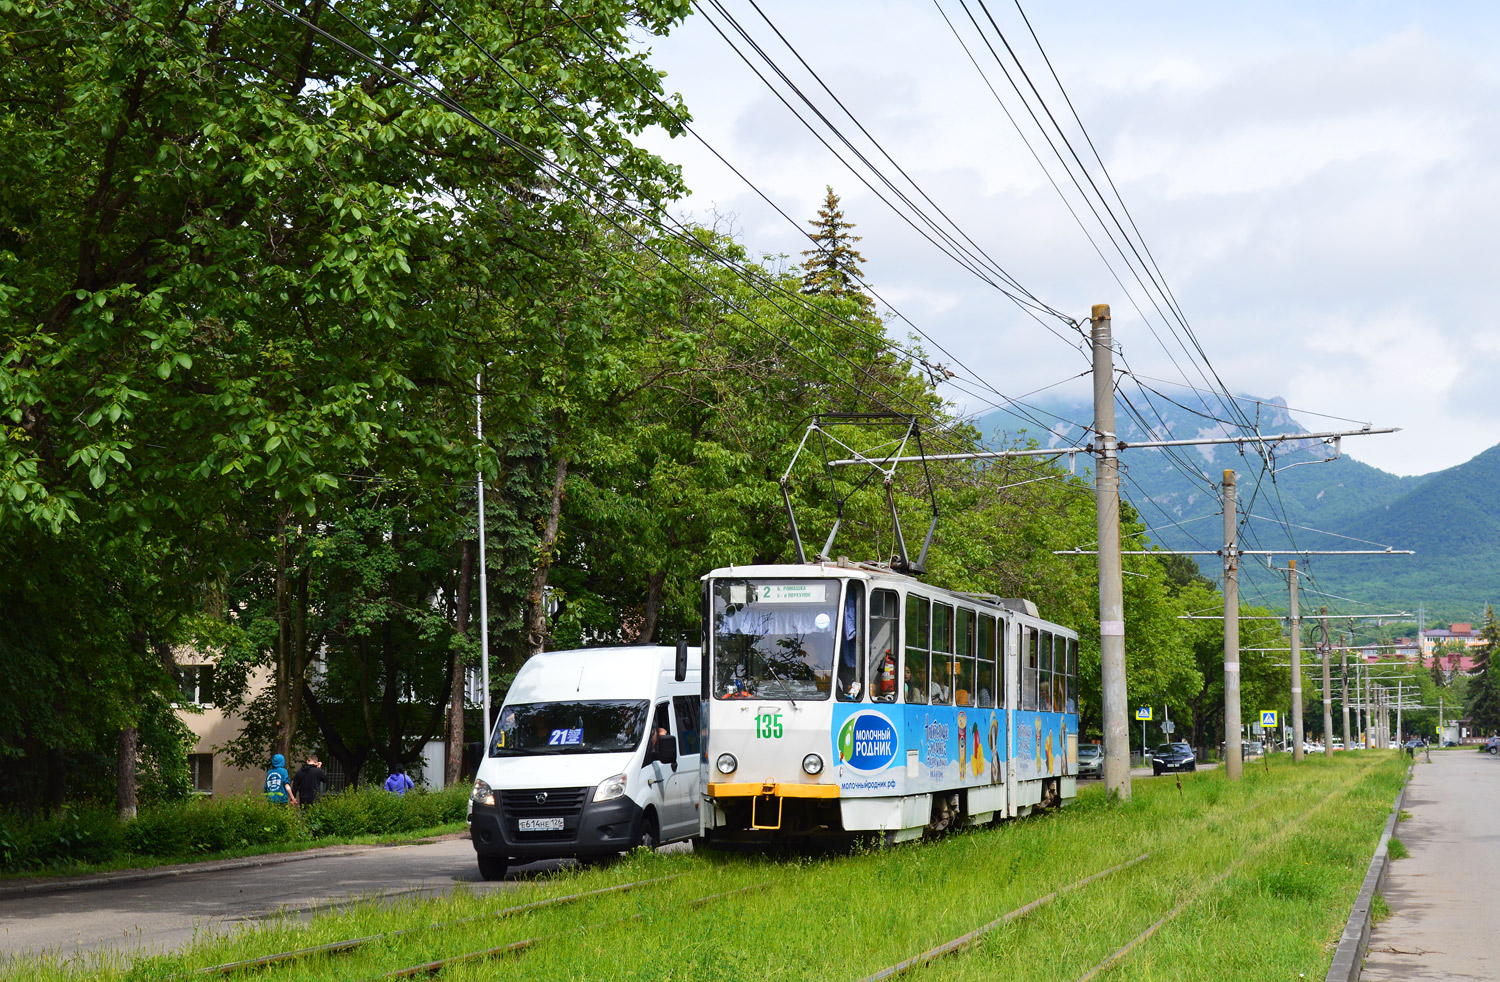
<point>1450,519</point>
<point>1330,501</point>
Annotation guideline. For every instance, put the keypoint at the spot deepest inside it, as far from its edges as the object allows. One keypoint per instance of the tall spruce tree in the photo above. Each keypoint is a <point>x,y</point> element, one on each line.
<point>832,267</point>
<point>1484,687</point>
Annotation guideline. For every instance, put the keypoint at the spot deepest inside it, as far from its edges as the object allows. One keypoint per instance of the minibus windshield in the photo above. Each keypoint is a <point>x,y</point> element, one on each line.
<point>531,729</point>
<point>774,639</point>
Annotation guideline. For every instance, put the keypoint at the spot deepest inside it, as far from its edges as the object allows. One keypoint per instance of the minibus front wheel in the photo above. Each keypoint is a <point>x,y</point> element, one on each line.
<point>492,867</point>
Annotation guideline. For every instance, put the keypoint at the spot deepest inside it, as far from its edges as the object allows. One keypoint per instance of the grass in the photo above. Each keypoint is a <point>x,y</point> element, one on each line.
<point>1298,840</point>
<point>1396,849</point>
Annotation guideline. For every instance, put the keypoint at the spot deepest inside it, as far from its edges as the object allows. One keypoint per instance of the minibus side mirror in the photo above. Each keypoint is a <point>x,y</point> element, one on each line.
<point>681,674</point>
<point>667,752</point>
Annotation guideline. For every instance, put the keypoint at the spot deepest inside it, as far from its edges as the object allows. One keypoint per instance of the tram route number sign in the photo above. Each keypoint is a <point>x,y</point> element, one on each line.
<point>1268,717</point>
<point>1143,714</point>
<point>768,725</point>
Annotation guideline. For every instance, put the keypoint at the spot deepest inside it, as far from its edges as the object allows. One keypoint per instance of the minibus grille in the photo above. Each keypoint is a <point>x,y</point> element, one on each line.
<point>532,803</point>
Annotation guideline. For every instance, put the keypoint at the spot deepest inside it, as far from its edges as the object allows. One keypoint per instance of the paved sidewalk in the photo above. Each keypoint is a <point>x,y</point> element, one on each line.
<point>1445,897</point>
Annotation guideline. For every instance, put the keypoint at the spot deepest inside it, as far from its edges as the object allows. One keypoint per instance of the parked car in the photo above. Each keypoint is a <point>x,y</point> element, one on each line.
<point>1492,745</point>
<point>1173,757</point>
<point>1090,760</point>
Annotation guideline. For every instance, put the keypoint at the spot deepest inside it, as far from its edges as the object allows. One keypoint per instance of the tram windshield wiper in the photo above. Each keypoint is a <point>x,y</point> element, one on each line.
<point>784,686</point>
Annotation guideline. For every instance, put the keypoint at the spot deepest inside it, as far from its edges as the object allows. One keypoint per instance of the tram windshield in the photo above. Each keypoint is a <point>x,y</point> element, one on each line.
<point>774,639</point>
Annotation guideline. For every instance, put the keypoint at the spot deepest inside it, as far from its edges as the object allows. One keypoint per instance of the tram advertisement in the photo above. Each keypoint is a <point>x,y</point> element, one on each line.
<point>1044,744</point>
<point>910,748</point>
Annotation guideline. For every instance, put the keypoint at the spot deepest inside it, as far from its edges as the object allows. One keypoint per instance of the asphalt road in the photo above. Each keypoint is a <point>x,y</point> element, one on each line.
<point>1445,896</point>
<point>162,914</point>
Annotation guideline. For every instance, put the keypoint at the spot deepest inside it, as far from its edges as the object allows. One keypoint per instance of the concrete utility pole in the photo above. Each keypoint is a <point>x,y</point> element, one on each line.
<point>1323,647</point>
<point>1232,762</point>
<point>1296,666</point>
<point>1344,676</point>
<point>1400,729</point>
<point>1111,590</point>
<point>484,589</point>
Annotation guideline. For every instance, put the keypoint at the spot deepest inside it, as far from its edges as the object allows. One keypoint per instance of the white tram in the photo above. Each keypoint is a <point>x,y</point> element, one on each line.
<point>847,699</point>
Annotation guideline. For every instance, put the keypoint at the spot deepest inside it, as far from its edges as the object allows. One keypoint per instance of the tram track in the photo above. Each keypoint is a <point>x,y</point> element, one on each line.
<point>436,965</point>
<point>352,944</point>
<point>1206,886</point>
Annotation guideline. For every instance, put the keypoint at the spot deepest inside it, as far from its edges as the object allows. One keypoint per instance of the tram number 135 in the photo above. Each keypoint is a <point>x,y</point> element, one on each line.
<point>768,726</point>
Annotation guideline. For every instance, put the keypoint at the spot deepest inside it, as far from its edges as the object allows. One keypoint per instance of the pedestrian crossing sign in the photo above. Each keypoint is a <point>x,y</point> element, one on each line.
<point>1143,714</point>
<point>1268,717</point>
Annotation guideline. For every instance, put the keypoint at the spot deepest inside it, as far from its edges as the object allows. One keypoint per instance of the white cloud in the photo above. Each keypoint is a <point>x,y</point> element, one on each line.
<point>1317,183</point>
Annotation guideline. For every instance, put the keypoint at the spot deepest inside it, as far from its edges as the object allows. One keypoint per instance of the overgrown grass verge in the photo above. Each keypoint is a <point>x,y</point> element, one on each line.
<point>1299,839</point>
<point>85,842</point>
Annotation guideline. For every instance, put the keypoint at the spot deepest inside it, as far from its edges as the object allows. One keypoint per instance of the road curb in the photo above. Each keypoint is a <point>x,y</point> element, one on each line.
<point>32,888</point>
<point>1349,957</point>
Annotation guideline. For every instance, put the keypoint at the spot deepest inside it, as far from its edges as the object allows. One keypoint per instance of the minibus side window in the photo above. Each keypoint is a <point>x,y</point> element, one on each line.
<point>687,710</point>
<point>851,666</point>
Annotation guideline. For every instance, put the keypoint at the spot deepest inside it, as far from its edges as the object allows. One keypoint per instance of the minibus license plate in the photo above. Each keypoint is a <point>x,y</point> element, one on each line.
<point>541,824</point>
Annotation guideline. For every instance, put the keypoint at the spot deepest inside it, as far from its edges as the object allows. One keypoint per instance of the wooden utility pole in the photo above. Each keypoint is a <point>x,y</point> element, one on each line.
<point>1111,590</point>
<point>1232,762</point>
<point>1323,646</point>
<point>1296,667</point>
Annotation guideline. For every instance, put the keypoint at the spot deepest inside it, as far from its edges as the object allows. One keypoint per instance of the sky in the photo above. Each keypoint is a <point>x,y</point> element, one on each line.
<point>1319,185</point>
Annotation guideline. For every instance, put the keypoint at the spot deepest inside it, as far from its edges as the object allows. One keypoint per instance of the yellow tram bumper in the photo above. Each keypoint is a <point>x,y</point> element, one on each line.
<point>745,789</point>
<point>762,794</point>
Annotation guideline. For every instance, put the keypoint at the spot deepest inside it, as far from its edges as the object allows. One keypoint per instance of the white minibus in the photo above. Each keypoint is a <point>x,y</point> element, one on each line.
<point>594,752</point>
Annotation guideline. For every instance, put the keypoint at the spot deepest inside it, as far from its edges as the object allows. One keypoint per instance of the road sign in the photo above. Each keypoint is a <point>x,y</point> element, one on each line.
<point>1168,726</point>
<point>1143,714</point>
<point>1268,717</point>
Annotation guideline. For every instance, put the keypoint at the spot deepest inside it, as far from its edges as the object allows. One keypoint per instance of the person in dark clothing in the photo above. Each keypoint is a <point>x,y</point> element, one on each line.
<point>309,782</point>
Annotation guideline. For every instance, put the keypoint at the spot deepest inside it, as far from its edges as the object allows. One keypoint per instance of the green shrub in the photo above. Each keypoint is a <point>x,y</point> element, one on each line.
<point>213,825</point>
<point>75,837</point>
<point>375,811</point>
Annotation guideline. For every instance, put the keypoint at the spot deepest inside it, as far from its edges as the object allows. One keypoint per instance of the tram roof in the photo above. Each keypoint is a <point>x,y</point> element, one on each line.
<point>846,568</point>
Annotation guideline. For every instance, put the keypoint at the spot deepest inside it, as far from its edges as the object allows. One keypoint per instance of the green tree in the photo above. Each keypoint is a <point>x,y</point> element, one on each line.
<point>1483,697</point>
<point>832,265</point>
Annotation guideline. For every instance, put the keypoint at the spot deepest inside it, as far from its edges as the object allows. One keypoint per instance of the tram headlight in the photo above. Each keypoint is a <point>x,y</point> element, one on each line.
<point>726,763</point>
<point>812,764</point>
<point>482,794</point>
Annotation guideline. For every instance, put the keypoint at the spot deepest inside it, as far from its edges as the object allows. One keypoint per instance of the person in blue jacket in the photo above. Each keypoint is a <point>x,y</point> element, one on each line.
<point>277,781</point>
<point>398,782</point>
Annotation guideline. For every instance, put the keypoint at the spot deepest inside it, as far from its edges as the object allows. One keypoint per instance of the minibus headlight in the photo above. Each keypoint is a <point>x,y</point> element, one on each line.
<point>812,764</point>
<point>482,794</point>
<point>726,763</point>
<point>613,787</point>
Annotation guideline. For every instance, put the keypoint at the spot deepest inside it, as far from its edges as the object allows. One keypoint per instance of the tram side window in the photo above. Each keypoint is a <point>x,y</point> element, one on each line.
<point>984,678</point>
<point>918,634</point>
<point>851,644</point>
<point>884,614</point>
<point>1060,674</point>
<point>942,655</point>
<point>1002,631</point>
<point>963,672</point>
<point>1044,673</point>
<point>1072,675</point>
<point>1028,668</point>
